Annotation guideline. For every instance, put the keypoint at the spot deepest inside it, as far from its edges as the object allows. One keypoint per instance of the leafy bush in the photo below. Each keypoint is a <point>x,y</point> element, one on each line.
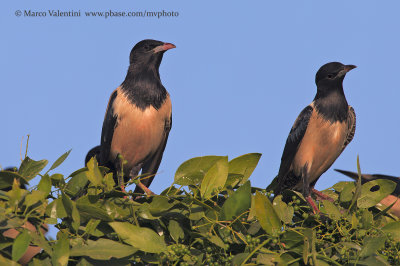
<point>210,215</point>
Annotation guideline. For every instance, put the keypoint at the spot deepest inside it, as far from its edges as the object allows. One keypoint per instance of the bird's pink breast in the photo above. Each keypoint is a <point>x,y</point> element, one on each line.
<point>138,133</point>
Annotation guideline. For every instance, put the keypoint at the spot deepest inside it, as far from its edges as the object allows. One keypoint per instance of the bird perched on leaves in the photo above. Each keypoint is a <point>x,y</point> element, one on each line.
<point>319,135</point>
<point>138,117</point>
<point>390,199</point>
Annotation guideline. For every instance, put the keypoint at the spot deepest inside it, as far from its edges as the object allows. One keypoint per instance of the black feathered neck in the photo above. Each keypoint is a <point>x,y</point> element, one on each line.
<point>331,103</point>
<point>143,86</point>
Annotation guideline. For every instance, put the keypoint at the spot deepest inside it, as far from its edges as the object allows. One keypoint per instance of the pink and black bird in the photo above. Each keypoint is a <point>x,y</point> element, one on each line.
<point>319,135</point>
<point>138,118</point>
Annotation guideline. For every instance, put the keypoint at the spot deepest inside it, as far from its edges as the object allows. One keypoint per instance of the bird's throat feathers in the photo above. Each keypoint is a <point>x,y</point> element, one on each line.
<point>143,88</point>
<point>332,105</point>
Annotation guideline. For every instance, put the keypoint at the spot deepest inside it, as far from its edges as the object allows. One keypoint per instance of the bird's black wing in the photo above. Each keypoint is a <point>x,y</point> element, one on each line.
<point>351,126</point>
<point>292,144</point>
<point>107,132</point>
<point>366,177</point>
<point>150,167</point>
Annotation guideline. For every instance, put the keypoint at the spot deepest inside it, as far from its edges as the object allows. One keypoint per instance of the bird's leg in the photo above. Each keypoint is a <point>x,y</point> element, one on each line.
<point>306,189</point>
<point>145,189</point>
<point>134,172</point>
<point>322,195</point>
<point>120,172</point>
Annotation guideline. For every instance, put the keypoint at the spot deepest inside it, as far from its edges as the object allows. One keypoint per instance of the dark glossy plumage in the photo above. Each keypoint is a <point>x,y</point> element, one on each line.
<point>138,117</point>
<point>320,133</point>
<point>93,152</point>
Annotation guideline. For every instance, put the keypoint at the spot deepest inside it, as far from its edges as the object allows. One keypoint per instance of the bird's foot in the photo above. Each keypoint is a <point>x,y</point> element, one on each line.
<point>312,204</point>
<point>145,189</point>
<point>123,191</point>
<point>321,195</point>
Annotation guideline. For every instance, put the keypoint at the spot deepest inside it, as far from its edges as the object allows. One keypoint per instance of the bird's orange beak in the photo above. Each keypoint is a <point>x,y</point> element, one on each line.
<point>164,47</point>
<point>168,46</point>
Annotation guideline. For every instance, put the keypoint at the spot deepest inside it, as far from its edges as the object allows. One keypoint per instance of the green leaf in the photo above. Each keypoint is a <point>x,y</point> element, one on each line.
<point>346,193</point>
<point>45,185</point>
<point>175,230</point>
<point>193,170</point>
<point>56,209</point>
<point>159,205</point>
<point>20,245</point>
<point>266,214</point>
<point>341,185</point>
<point>7,179</point>
<point>354,220</point>
<point>77,182</point>
<point>287,259</point>
<point>30,168</point>
<point>61,250</point>
<point>367,219</point>
<point>42,262</point>
<point>309,249</point>
<point>109,181</point>
<point>233,179</point>
<point>59,160</point>
<point>394,229</point>
<point>374,191</point>
<point>244,165</point>
<point>196,212</point>
<point>321,263</point>
<point>284,211</point>
<point>331,209</point>
<point>358,187</point>
<point>142,238</point>
<point>216,241</point>
<point>91,226</point>
<point>144,212</point>
<point>34,197</point>
<point>57,180</point>
<point>371,245</point>
<point>4,261</point>
<point>267,259</point>
<point>214,178</point>
<point>72,211</point>
<point>252,211</point>
<point>84,262</point>
<point>374,261</point>
<point>351,245</point>
<point>16,194</point>
<point>237,203</point>
<point>102,249</point>
<point>91,211</point>
<point>239,259</point>
<point>93,174</point>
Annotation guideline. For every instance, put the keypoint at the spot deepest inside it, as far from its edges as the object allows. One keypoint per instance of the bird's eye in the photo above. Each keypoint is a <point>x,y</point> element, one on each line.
<point>330,76</point>
<point>147,47</point>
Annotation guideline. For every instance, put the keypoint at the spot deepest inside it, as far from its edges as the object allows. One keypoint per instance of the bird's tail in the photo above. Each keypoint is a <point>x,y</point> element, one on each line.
<point>352,175</point>
<point>93,152</point>
<point>274,186</point>
<point>366,177</point>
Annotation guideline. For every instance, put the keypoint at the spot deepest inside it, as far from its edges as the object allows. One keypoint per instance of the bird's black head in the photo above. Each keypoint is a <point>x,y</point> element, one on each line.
<point>148,53</point>
<point>330,100</point>
<point>332,74</point>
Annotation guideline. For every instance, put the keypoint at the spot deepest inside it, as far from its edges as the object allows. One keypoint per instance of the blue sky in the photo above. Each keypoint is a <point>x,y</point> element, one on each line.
<point>240,75</point>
